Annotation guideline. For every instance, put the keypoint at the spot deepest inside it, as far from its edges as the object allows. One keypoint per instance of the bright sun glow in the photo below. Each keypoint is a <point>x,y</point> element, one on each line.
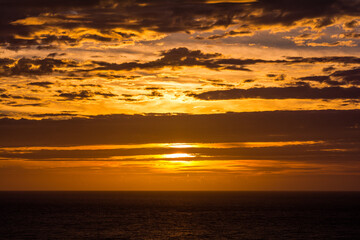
<point>178,155</point>
<point>182,145</point>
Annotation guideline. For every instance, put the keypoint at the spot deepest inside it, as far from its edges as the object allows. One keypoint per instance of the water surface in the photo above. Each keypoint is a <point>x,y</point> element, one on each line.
<point>179,215</point>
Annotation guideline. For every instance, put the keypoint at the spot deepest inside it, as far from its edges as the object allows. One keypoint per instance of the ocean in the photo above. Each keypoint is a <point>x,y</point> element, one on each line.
<point>180,215</point>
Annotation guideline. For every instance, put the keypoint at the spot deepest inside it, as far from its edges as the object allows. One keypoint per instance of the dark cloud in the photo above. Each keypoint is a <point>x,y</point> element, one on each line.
<point>277,77</point>
<point>350,35</point>
<point>225,35</point>
<point>176,57</point>
<point>271,75</point>
<point>52,115</point>
<point>342,77</point>
<point>328,69</point>
<point>300,92</point>
<point>41,84</point>
<point>154,88</point>
<point>352,24</point>
<point>4,96</point>
<point>351,76</point>
<point>330,125</point>
<point>182,57</point>
<point>18,97</point>
<point>249,80</point>
<point>280,77</point>
<point>157,15</point>
<point>105,95</point>
<point>25,66</point>
<point>322,79</point>
<point>330,59</point>
<point>52,55</point>
<point>155,94</point>
<point>76,95</point>
<point>90,85</point>
<point>288,12</point>
<point>20,9</point>
<point>83,95</point>
<point>315,78</point>
<point>15,104</point>
<point>101,15</point>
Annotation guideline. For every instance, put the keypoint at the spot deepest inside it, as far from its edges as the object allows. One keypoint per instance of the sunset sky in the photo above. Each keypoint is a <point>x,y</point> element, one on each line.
<point>179,95</point>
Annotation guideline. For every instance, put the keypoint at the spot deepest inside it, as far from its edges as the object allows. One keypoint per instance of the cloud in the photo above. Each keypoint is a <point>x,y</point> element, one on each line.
<point>184,57</point>
<point>19,97</point>
<point>316,78</point>
<point>332,44</point>
<point>299,92</point>
<point>326,59</point>
<point>41,84</point>
<point>342,77</point>
<point>83,95</point>
<point>350,35</point>
<point>351,76</point>
<point>15,104</point>
<point>289,12</point>
<point>352,24</point>
<point>231,33</point>
<point>54,54</point>
<point>54,115</point>
<point>176,57</point>
<point>25,66</point>
<point>304,152</point>
<point>329,125</point>
<point>321,79</point>
<point>328,69</point>
<point>48,24</point>
<point>173,58</point>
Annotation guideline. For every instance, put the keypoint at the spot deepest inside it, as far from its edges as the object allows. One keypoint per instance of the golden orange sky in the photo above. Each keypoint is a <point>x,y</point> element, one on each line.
<point>179,95</point>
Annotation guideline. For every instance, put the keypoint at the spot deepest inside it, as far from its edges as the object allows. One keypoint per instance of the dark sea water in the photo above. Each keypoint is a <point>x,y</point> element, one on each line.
<point>180,215</point>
